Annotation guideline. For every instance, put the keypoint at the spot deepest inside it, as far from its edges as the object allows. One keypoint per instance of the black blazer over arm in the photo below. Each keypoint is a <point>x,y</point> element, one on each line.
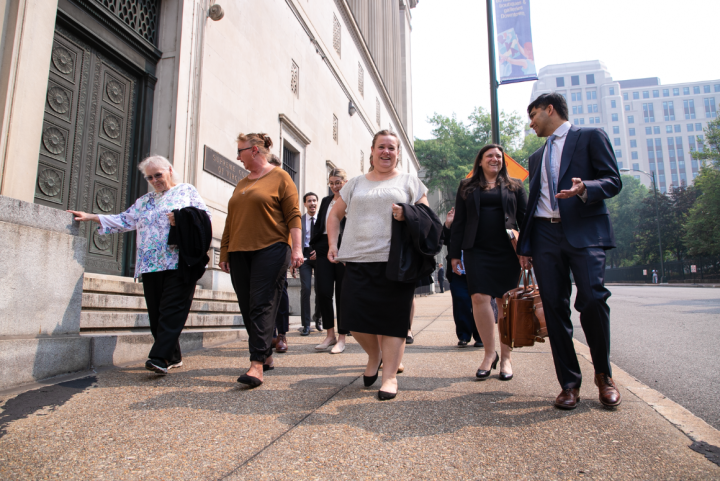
<point>319,236</point>
<point>467,217</point>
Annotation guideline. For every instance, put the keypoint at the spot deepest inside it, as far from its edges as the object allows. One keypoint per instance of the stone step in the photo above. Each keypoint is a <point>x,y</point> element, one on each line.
<point>91,320</point>
<point>126,286</point>
<point>103,302</point>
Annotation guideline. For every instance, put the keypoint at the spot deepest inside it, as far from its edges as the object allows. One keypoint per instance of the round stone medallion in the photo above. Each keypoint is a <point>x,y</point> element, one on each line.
<point>105,199</point>
<point>102,241</point>
<point>49,182</point>
<point>111,125</point>
<point>62,59</point>
<point>115,91</point>
<point>58,100</point>
<point>54,140</point>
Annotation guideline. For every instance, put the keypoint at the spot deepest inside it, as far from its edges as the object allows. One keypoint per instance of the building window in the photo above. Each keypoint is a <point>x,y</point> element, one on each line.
<point>577,109</point>
<point>669,110</point>
<point>590,78</point>
<point>612,90</point>
<point>648,112</point>
<point>698,127</point>
<point>620,165</point>
<point>680,149</point>
<point>559,81</point>
<point>651,151</point>
<point>706,89</point>
<point>592,108</point>
<point>634,155</point>
<point>696,89</point>
<point>648,130</point>
<point>294,78</point>
<point>666,93</point>
<point>592,120</point>
<point>361,79</point>
<point>633,144</point>
<point>616,141</point>
<point>597,120</point>
<point>581,121</point>
<point>691,143</point>
<point>627,107</point>
<point>614,117</point>
<point>678,128</point>
<point>575,80</point>
<point>377,111</point>
<point>613,104</point>
<point>689,127</point>
<point>576,96</point>
<point>658,150</point>
<point>616,129</point>
<point>710,112</point>
<point>656,129</point>
<point>625,96</point>
<point>636,95</point>
<point>646,94</point>
<point>700,143</point>
<point>591,94</point>
<point>335,128</point>
<point>618,154</point>
<point>290,161</point>
<point>686,90</point>
<point>631,132</point>
<point>689,109</point>
<point>656,94</point>
<point>636,166</point>
<point>336,35</point>
<point>676,92</point>
<point>717,87</point>
<point>668,129</point>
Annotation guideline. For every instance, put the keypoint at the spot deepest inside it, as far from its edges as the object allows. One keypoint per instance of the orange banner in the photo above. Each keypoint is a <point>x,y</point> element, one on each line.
<point>514,169</point>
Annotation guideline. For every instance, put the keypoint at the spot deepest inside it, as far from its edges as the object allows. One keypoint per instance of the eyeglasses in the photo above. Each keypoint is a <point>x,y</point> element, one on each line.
<point>338,183</point>
<point>157,176</point>
<point>246,148</point>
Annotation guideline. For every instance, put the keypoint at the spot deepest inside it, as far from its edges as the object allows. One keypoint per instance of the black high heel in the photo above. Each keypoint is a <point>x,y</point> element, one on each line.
<point>370,380</point>
<point>483,374</point>
<point>505,377</point>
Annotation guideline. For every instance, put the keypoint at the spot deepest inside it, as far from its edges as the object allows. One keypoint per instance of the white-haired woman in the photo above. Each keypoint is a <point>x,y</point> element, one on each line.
<point>167,295</point>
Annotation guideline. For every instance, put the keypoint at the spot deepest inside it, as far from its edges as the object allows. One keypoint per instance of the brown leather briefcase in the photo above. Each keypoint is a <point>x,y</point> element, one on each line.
<point>521,319</point>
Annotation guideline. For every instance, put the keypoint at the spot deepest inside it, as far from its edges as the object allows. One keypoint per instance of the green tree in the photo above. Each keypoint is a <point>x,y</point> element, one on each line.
<point>711,147</point>
<point>646,231</point>
<point>624,211</point>
<point>448,157</point>
<point>530,144</point>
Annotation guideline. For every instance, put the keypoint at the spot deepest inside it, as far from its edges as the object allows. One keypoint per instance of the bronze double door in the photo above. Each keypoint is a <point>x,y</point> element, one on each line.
<point>86,142</point>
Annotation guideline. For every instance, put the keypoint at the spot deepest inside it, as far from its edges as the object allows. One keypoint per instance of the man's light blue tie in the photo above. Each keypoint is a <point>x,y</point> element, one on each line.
<point>549,172</point>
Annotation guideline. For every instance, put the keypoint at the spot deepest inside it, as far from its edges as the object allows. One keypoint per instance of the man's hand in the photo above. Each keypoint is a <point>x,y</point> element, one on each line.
<point>456,266</point>
<point>225,267</point>
<point>313,256</point>
<point>525,262</point>
<point>296,257</point>
<point>577,189</point>
<point>293,272</point>
<point>450,217</point>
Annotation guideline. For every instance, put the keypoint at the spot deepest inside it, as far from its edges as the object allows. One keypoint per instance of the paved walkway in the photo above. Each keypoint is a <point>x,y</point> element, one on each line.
<point>313,419</point>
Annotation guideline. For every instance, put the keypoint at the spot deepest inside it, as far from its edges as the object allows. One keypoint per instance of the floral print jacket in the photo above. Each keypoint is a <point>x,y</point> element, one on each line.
<point>147,216</point>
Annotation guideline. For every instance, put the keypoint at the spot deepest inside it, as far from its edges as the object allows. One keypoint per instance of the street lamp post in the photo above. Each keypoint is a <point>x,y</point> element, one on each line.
<point>657,217</point>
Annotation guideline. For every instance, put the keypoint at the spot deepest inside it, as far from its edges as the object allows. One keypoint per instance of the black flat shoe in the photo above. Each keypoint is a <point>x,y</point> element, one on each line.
<point>505,377</point>
<point>462,343</point>
<point>370,380</point>
<point>409,339</point>
<point>249,380</point>
<point>268,367</point>
<point>384,395</point>
<point>483,374</point>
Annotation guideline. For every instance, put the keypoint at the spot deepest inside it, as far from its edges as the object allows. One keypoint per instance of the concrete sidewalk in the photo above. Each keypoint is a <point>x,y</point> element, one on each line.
<point>313,419</point>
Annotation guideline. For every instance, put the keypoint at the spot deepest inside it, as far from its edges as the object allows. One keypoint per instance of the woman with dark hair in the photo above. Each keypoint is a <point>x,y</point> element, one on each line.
<point>488,210</point>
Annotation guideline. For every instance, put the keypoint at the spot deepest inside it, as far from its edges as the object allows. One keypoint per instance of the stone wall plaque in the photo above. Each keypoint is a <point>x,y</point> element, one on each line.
<point>222,167</point>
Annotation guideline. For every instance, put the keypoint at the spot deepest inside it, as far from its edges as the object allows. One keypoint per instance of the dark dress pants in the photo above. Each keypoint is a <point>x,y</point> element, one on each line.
<point>282,319</point>
<point>553,259</point>
<point>258,278</point>
<point>306,271</point>
<point>329,276</point>
<point>465,327</point>
<point>168,298</point>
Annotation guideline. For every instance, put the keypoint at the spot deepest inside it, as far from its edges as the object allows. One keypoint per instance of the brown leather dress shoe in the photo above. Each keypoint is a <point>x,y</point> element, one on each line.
<point>282,345</point>
<point>609,394</point>
<point>568,399</point>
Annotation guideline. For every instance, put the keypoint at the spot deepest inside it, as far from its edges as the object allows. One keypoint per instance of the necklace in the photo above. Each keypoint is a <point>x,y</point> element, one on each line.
<point>248,186</point>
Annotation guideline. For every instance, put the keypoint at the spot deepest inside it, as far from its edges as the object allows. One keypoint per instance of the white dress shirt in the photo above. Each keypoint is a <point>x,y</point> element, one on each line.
<point>544,206</point>
<point>308,224</point>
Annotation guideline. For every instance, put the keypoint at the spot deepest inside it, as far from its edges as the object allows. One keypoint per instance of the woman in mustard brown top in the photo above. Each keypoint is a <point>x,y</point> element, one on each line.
<point>263,215</point>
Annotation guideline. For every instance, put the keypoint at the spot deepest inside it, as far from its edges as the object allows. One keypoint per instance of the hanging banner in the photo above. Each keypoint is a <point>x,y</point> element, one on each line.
<point>515,58</point>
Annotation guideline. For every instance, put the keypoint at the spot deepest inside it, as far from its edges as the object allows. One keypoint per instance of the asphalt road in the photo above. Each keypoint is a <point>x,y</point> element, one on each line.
<point>668,338</point>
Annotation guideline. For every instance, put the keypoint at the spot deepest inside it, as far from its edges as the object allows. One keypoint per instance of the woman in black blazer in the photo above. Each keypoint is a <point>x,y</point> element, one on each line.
<point>327,274</point>
<point>489,207</point>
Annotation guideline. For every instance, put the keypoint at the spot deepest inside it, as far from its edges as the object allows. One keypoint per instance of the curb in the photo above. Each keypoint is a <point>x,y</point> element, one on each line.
<point>692,426</point>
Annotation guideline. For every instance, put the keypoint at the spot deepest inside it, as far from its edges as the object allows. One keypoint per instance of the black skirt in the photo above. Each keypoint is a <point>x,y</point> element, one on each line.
<point>373,304</point>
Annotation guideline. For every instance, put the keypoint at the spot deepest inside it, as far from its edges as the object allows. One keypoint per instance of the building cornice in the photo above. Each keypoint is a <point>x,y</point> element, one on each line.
<point>294,129</point>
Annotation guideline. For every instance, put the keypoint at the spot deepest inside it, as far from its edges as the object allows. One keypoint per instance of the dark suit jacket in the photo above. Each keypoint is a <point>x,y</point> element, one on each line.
<point>587,154</point>
<point>414,244</point>
<point>467,211</point>
<point>318,236</point>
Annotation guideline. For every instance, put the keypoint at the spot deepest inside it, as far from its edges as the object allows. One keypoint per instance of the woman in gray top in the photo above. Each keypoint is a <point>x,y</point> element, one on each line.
<point>374,308</point>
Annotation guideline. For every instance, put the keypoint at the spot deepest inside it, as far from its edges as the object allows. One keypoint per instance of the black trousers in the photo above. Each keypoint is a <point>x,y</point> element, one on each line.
<point>306,271</point>
<point>168,300</point>
<point>465,327</point>
<point>258,278</point>
<point>329,277</point>
<point>282,319</point>
<point>554,258</point>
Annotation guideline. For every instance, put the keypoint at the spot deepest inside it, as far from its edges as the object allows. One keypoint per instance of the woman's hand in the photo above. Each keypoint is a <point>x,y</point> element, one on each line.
<point>332,254</point>
<point>84,216</point>
<point>398,212</point>
<point>449,218</point>
<point>525,262</point>
<point>296,257</point>
<point>456,265</point>
<point>225,267</point>
<point>171,218</point>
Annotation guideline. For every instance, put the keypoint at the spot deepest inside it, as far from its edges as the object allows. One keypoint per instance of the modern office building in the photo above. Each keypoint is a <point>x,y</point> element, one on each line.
<point>652,127</point>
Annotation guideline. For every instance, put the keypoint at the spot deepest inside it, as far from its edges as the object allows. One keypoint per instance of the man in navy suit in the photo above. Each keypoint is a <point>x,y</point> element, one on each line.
<point>567,229</point>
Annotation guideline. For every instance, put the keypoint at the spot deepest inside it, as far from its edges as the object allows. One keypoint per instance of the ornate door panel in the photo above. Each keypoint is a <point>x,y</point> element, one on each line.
<point>86,142</point>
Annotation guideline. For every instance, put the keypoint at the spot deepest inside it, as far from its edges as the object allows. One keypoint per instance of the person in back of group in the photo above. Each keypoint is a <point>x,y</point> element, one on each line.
<point>309,221</point>
<point>282,319</point>
<point>372,304</point>
<point>167,295</point>
<point>568,229</point>
<point>263,215</point>
<point>488,205</point>
<point>465,328</point>
<point>441,278</point>
<point>328,275</point>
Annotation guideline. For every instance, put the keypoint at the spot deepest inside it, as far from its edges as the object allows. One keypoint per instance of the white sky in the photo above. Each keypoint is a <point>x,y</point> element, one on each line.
<point>671,39</point>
